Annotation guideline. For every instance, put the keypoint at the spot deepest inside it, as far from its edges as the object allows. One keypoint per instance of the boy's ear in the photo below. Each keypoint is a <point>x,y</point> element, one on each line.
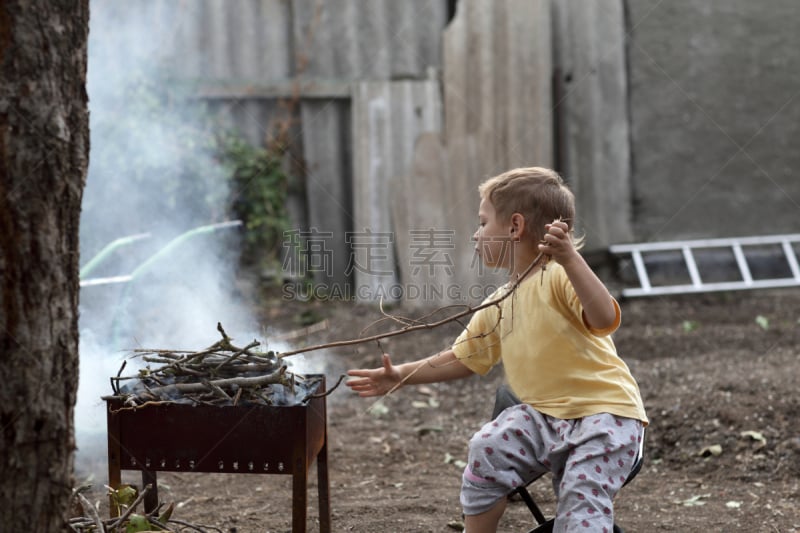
<point>517,226</point>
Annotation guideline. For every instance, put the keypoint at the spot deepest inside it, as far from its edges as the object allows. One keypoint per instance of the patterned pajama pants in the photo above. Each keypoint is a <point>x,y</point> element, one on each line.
<point>590,459</point>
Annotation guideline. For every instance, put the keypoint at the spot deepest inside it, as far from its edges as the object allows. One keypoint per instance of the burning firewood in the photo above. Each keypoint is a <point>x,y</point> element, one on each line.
<point>222,374</point>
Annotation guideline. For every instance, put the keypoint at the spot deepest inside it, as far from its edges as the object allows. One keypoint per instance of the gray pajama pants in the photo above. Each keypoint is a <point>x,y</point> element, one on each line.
<point>590,459</point>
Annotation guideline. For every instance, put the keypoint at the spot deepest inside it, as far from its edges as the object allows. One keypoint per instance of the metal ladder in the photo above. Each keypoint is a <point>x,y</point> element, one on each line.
<point>637,253</point>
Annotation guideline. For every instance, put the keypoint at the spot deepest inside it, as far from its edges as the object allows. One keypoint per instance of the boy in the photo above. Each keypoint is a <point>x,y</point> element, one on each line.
<point>581,416</point>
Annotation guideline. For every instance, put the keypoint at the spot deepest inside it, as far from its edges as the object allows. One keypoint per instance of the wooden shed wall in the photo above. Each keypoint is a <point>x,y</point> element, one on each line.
<point>463,99</point>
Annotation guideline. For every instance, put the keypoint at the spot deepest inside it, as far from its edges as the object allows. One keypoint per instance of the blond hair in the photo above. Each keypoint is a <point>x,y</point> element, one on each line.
<point>538,194</point>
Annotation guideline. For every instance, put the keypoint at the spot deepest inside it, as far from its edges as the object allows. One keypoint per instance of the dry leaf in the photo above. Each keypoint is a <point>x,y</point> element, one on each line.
<point>755,435</point>
<point>378,409</point>
<point>714,449</point>
<point>693,501</point>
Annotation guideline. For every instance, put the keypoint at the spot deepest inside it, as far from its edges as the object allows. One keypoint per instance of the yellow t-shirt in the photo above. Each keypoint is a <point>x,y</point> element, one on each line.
<point>553,360</point>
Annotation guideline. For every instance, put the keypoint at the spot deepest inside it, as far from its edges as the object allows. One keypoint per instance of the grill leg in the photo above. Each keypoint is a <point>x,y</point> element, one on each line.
<point>151,498</point>
<point>114,464</point>
<point>324,490</point>
<point>299,496</point>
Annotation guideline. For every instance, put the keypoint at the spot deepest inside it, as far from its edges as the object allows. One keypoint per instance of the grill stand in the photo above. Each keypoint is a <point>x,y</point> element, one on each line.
<point>239,440</point>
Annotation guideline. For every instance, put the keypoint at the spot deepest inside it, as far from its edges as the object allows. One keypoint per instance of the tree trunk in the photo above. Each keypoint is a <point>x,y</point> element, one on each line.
<point>44,150</point>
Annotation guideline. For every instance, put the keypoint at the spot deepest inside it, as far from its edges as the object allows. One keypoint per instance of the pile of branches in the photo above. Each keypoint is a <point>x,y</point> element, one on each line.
<point>222,374</point>
<point>87,519</point>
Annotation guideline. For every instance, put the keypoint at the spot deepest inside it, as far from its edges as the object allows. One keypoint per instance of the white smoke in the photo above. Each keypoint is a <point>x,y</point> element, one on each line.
<point>150,172</point>
<point>153,175</point>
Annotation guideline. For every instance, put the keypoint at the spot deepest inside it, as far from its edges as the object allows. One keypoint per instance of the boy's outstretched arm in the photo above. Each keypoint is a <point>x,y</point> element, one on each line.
<point>443,366</point>
<point>598,306</point>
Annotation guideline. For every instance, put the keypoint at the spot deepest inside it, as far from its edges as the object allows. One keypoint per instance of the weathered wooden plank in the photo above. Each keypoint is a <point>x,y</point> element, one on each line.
<point>497,79</point>
<point>425,243</point>
<point>350,39</point>
<point>497,99</point>
<point>328,188</point>
<point>387,119</point>
<point>593,109</point>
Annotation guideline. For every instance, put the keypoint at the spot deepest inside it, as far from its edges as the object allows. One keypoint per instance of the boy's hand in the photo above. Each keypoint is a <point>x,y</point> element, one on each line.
<point>599,308</point>
<point>558,242</point>
<point>377,381</point>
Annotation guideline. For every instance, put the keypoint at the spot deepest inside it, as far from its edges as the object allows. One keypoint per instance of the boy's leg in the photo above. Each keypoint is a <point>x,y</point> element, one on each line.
<point>487,521</point>
<point>603,450</point>
<point>502,455</point>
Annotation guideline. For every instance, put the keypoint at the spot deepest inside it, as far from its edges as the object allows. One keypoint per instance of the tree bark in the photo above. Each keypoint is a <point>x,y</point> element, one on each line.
<point>44,151</point>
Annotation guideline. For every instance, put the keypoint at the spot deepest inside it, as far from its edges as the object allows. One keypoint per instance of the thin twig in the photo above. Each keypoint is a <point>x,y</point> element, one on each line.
<point>134,406</point>
<point>216,389</point>
<point>402,320</point>
<point>89,509</point>
<point>327,392</point>
<point>192,526</point>
<point>275,377</point>
<point>237,354</point>
<point>302,332</point>
<point>115,385</point>
<point>165,353</point>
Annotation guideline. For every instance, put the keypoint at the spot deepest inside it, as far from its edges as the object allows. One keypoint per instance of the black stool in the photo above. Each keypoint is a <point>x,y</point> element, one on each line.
<point>504,399</point>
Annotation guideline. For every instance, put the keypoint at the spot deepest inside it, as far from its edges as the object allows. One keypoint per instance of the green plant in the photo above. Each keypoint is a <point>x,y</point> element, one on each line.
<point>258,197</point>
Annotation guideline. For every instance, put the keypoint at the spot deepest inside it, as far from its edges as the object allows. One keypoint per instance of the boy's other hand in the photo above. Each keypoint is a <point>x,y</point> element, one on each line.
<point>377,381</point>
<point>558,242</point>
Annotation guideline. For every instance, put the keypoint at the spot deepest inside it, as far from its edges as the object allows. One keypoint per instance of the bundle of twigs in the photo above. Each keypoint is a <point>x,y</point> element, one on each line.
<point>222,374</point>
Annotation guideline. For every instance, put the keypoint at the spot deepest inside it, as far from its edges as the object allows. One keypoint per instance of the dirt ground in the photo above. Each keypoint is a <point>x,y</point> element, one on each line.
<point>715,370</point>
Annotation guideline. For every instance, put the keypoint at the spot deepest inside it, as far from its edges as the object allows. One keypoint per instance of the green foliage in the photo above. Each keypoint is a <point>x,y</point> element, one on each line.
<point>137,523</point>
<point>122,498</point>
<point>257,197</point>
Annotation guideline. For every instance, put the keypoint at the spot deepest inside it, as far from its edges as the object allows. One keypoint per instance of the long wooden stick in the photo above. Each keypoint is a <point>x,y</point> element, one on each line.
<point>418,327</point>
